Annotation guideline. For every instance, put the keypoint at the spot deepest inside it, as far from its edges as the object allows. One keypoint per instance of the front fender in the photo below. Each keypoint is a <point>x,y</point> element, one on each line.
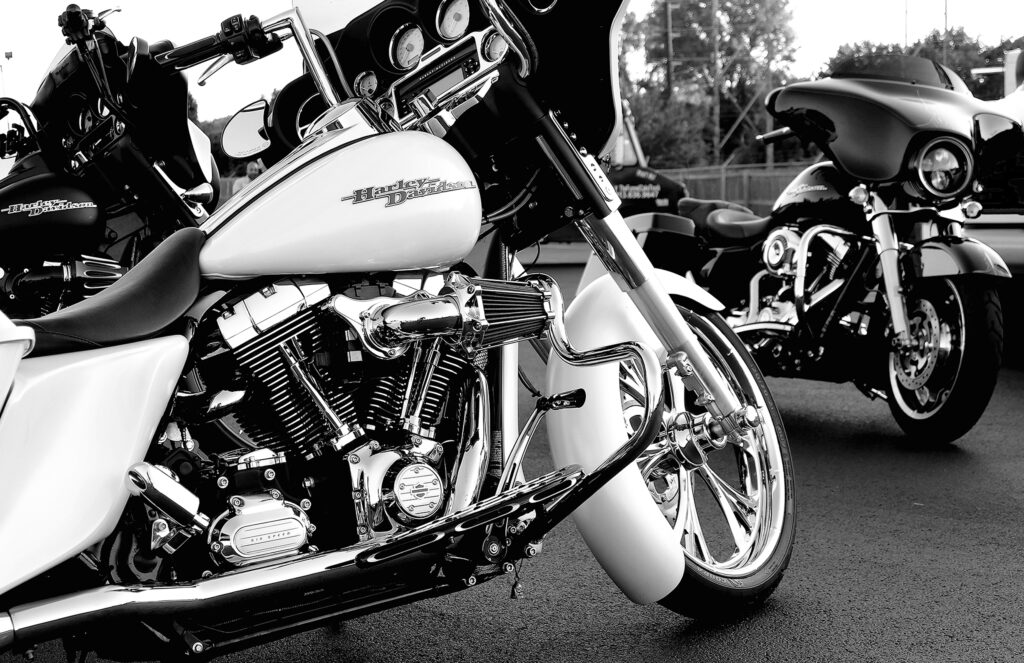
<point>953,256</point>
<point>678,286</point>
<point>623,527</point>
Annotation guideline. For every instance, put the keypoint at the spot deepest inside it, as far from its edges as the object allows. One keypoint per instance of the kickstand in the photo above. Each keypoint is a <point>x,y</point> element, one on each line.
<point>517,586</point>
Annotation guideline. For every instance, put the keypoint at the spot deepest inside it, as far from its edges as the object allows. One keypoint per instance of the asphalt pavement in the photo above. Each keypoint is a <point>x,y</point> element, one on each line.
<point>903,553</point>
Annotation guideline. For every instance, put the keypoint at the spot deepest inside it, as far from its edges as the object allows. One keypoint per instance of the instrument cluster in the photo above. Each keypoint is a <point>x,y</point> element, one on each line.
<point>387,43</point>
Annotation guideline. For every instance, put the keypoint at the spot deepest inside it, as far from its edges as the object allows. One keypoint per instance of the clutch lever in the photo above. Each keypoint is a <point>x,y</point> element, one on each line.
<point>107,12</point>
<point>217,65</point>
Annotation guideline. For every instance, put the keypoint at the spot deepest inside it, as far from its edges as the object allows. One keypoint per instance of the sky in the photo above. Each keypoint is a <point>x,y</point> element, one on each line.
<point>822,26</point>
<point>30,33</point>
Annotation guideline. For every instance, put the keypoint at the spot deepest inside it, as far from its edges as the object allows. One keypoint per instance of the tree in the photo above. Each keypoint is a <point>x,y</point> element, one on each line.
<point>755,44</point>
<point>669,129</point>
<point>193,108</point>
<point>961,53</point>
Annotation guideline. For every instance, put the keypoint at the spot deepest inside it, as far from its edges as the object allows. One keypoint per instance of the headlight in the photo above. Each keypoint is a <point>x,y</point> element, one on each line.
<point>945,167</point>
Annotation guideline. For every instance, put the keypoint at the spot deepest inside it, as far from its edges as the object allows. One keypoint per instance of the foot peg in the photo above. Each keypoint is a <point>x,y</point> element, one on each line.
<point>157,486</point>
<point>564,401</point>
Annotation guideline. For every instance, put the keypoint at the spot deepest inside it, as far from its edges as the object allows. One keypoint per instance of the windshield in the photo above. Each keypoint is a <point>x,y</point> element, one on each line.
<point>902,68</point>
<point>329,16</point>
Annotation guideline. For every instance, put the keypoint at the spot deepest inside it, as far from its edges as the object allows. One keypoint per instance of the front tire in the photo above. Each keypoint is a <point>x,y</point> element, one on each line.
<point>938,389</point>
<point>735,514</point>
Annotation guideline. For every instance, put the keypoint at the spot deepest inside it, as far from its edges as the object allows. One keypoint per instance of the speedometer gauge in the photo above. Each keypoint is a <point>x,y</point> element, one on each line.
<point>406,46</point>
<point>453,19</point>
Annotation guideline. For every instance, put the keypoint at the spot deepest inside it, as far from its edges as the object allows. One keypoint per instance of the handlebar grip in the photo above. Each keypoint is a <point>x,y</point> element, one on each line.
<point>774,136</point>
<point>242,38</point>
<point>192,54</point>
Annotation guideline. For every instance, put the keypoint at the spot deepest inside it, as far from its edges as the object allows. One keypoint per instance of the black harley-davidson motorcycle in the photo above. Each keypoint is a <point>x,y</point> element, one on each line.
<point>861,272</point>
<point>107,165</point>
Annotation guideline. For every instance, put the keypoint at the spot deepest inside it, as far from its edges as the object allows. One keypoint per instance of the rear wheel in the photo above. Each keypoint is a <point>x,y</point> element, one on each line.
<point>731,508</point>
<point>939,387</point>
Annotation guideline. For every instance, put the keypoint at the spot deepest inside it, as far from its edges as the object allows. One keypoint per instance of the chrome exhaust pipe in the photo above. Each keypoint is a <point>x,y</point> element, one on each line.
<point>52,618</point>
<point>44,620</point>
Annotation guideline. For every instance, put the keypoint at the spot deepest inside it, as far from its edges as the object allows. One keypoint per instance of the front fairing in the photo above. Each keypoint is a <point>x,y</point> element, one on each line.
<point>867,126</point>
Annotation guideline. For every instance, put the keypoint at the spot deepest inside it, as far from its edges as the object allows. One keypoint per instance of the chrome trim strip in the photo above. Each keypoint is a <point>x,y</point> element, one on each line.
<point>316,148</point>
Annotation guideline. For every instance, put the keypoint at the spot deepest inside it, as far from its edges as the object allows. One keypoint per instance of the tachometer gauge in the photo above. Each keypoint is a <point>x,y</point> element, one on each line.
<point>406,46</point>
<point>453,19</point>
<point>366,84</point>
<point>495,47</point>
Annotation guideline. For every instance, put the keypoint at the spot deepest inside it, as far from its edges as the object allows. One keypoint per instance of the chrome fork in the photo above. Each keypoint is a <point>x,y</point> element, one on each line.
<point>889,257</point>
<point>632,270</point>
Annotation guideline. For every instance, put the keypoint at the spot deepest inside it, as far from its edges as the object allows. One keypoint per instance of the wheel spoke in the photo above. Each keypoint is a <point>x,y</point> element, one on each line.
<point>687,526</point>
<point>652,458</point>
<point>736,507</point>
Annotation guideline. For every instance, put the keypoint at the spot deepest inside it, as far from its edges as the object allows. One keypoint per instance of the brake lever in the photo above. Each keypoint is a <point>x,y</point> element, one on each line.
<point>107,12</point>
<point>217,65</point>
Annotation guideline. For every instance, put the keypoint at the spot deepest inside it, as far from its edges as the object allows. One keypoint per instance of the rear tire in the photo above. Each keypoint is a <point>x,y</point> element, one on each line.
<point>958,376</point>
<point>727,586</point>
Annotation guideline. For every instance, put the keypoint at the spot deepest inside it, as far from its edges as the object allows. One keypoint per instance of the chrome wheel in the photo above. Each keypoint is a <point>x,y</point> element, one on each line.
<point>726,503</point>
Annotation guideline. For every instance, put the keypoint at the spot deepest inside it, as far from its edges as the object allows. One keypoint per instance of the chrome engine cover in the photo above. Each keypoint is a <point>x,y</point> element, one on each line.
<point>257,528</point>
<point>780,252</point>
<point>418,489</point>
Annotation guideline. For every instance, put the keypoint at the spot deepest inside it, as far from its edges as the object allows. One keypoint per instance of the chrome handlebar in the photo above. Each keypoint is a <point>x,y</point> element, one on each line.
<point>291,20</point>
<point>509,31</point>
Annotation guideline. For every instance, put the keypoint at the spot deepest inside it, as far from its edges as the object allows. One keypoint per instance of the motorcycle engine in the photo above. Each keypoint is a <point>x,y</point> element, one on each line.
<point>772,292</point>
<point>325,424</point>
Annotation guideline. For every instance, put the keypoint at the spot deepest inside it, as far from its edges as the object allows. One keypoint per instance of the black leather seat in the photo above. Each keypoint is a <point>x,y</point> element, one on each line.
<point>734,227</point>
<point>149,298</point>
<point>722,223</point>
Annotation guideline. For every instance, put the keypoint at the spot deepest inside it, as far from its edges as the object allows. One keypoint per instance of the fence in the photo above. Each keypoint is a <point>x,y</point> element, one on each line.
<point>752,185</point>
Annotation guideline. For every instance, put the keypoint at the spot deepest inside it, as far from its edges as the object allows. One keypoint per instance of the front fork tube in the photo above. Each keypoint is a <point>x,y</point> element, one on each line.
<point>633,272</point>
<point>889,257</point>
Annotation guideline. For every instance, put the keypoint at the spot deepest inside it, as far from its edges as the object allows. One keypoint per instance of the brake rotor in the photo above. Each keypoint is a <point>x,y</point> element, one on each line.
<point>916,365</point>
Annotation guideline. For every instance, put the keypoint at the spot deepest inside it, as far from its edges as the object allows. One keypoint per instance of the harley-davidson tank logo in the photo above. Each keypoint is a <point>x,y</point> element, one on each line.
<point>403,190</point>
<point>805,188</point>
<point>45,207</point>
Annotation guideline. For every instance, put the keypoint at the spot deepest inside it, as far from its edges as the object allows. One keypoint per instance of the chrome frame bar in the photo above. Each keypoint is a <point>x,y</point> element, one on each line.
<point>803,253</point>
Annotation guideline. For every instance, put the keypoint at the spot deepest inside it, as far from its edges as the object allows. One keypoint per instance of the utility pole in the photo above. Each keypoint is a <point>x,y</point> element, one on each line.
<point>945,31</point>
<point>906,28</point>
<point>668,50</point>
<point>716,75</point>
<point>770,124</point>
<point>769,150</point>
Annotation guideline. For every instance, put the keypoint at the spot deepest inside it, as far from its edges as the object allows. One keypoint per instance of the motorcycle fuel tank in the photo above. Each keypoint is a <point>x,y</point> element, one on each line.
<point>821,192</point>
<point>43,215</point>
<point>389,202</point>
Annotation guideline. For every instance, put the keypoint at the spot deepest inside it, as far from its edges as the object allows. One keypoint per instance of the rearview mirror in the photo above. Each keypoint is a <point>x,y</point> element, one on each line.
<point>246,132</point>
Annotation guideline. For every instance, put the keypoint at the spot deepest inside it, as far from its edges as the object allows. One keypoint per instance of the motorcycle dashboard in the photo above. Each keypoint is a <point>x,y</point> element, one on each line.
<point>391,41</point>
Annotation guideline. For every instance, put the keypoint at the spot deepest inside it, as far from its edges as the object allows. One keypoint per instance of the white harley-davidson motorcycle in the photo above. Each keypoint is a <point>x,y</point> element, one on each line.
<point>306,409</point>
